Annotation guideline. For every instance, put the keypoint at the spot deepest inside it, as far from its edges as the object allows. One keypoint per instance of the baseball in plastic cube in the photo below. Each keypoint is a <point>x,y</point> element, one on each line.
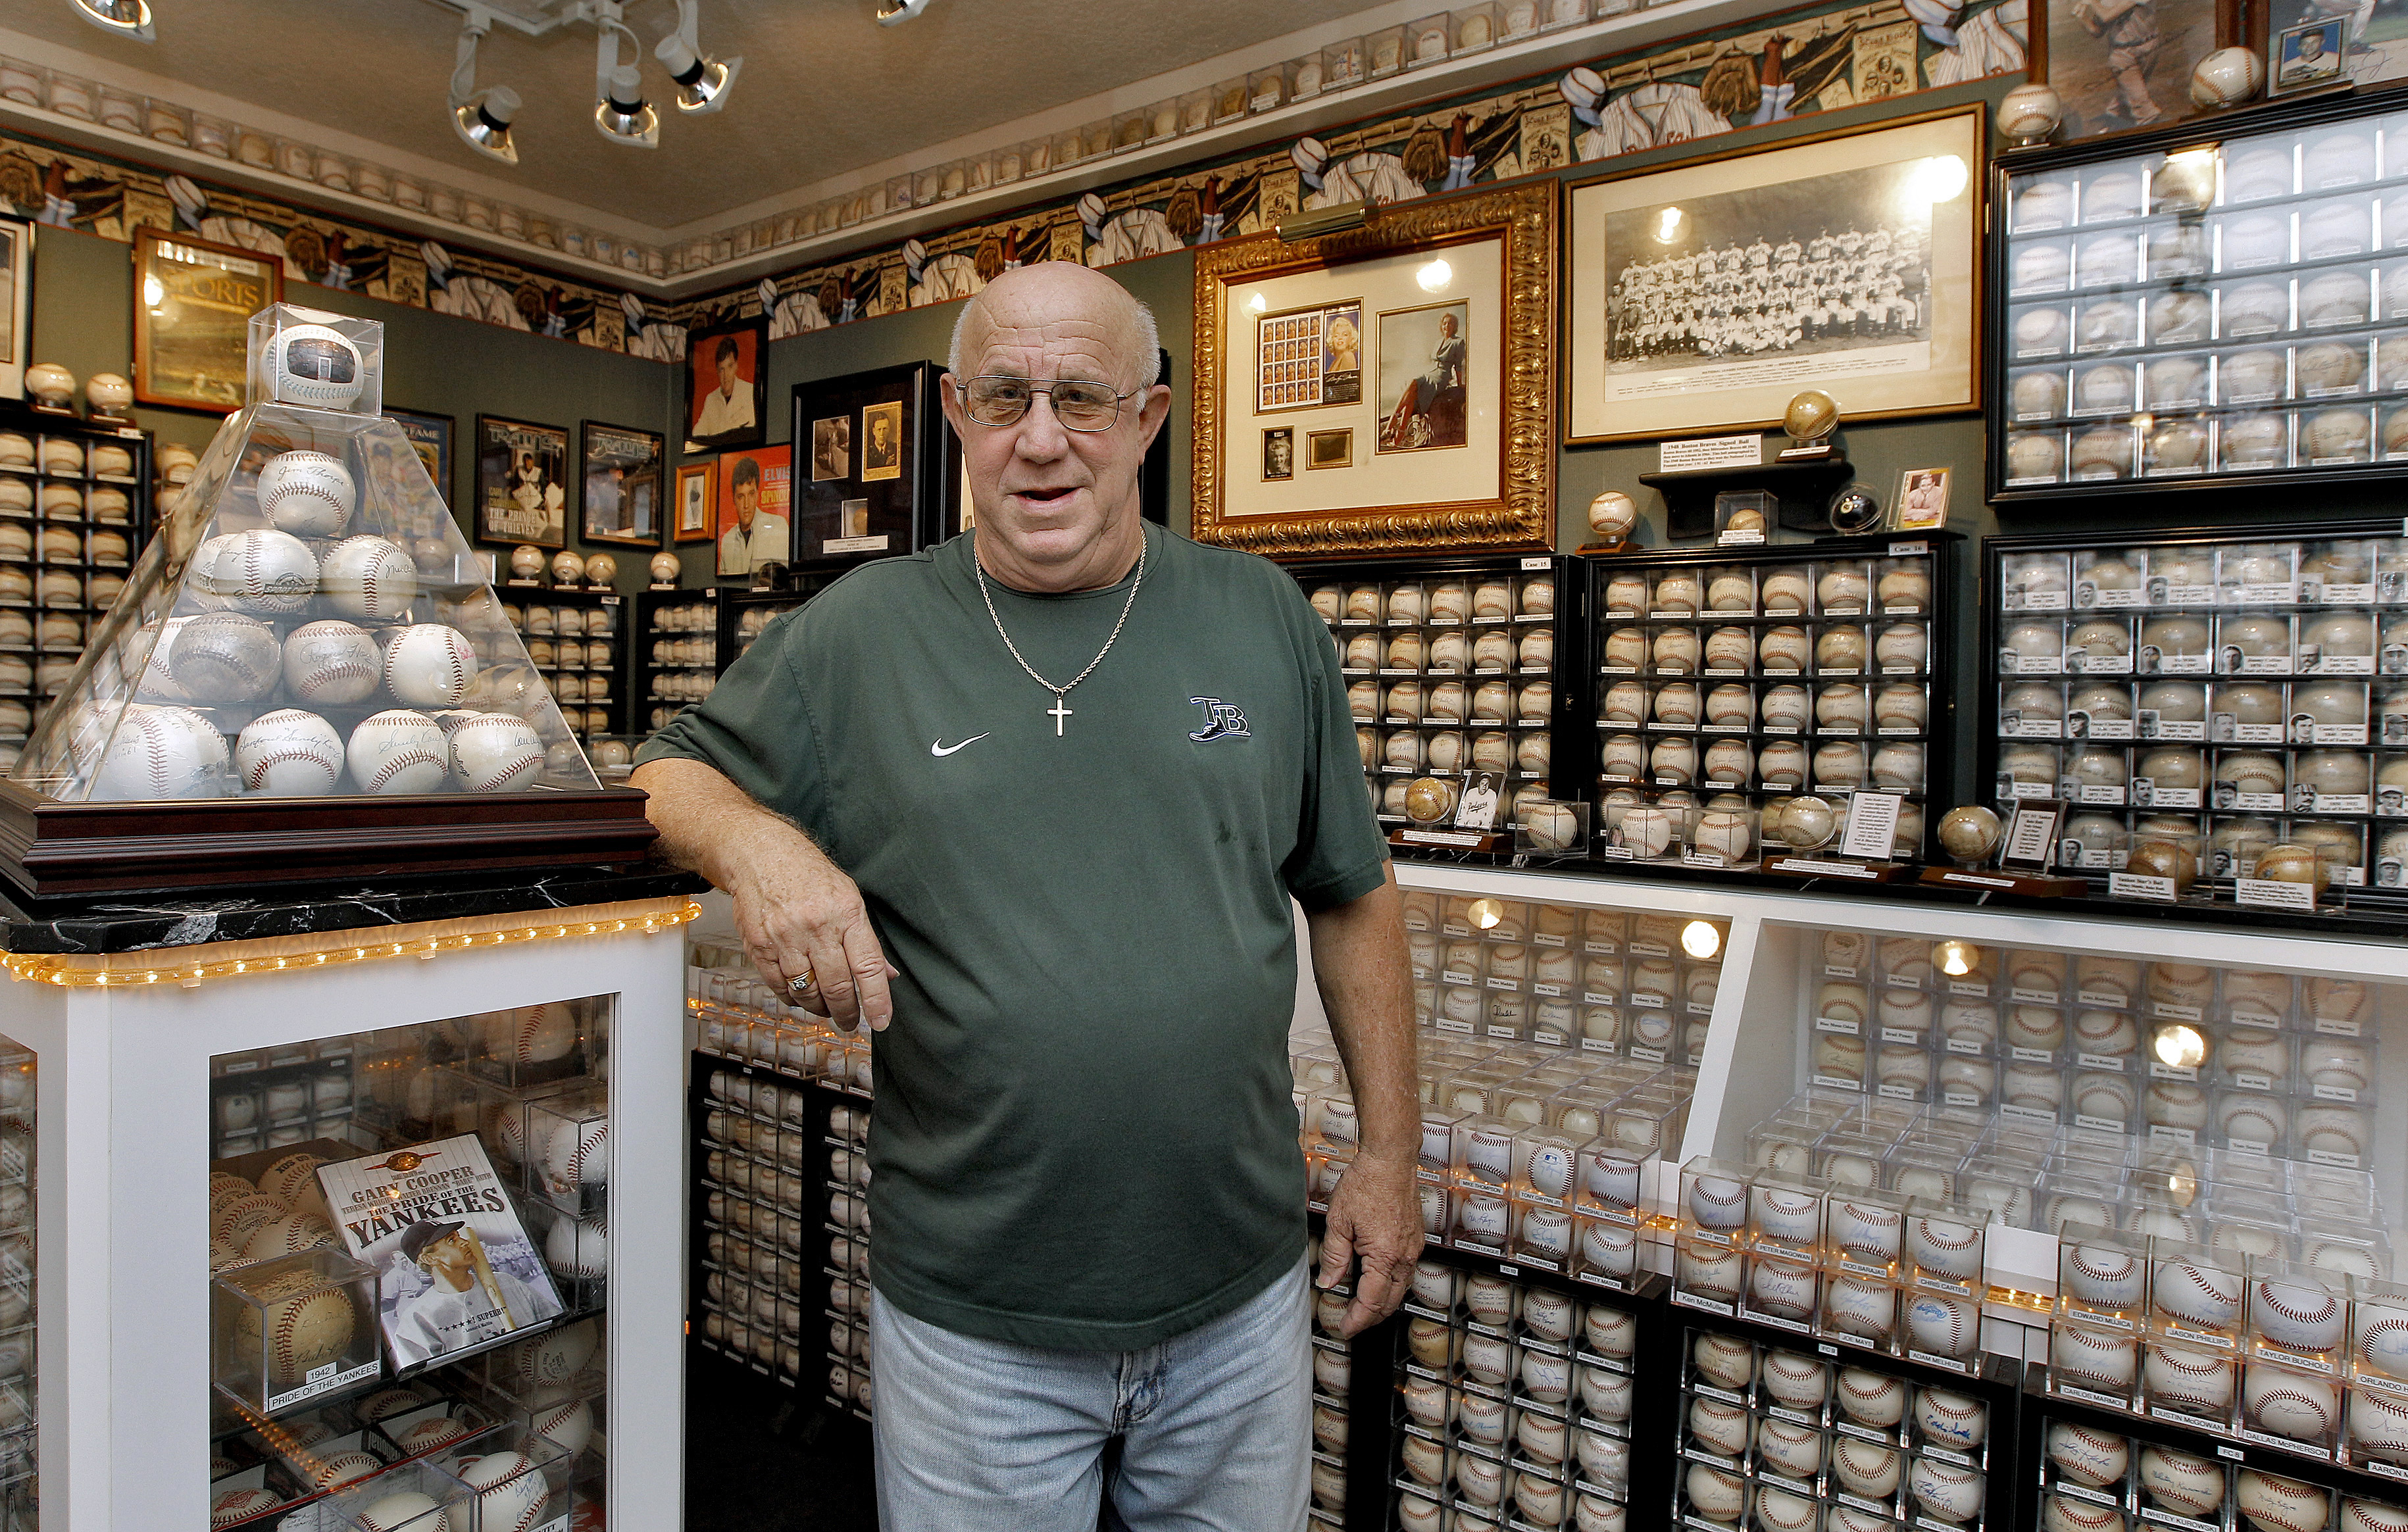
<point>290,1329</point>
<point>2102,1276</point>
<point>568,1136</point>
<point>1714,1201</point>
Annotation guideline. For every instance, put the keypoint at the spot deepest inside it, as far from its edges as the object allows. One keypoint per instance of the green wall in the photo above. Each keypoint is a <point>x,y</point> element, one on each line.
<point>83,319</point>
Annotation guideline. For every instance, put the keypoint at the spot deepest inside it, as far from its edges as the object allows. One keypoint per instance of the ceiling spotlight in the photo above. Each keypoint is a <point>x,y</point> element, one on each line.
<point>703,82</point>
<point>124,18</point>
<point>484,125</point>
<point>623,115</point>
<point>481,118</point>
<point>896,12</point>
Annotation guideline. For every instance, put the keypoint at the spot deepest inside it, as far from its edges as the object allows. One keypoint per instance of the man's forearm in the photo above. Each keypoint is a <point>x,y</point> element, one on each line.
<point>707,822</point>
<point>1365,982</point>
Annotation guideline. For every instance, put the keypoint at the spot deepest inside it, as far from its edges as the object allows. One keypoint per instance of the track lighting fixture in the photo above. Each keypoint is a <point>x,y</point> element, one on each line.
<point>896,12</point>
<point>124,18</point>
<point>481,118</point>
<point>703,82</point>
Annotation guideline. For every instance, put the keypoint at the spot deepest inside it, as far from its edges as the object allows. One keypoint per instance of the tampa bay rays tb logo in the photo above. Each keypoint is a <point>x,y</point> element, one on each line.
<point>1223,721</point>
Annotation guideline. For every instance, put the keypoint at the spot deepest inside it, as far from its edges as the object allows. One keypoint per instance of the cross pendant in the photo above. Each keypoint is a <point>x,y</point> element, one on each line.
<point>1057,712</point>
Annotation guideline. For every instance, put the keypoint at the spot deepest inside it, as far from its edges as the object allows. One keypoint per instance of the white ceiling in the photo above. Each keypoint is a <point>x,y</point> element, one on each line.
<point>824,91</point>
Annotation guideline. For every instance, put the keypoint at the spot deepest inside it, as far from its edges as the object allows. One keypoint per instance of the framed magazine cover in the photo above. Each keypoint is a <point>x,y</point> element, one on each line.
<point>16,302</point>
<point>193,303</point>
<point>431,437</point>
<point>522,482</point>
<point>619,479</point>
<point>1706,294</point>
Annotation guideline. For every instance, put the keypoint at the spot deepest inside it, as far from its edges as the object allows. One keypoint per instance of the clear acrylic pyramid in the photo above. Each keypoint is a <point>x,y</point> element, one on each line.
<point>308,621</point>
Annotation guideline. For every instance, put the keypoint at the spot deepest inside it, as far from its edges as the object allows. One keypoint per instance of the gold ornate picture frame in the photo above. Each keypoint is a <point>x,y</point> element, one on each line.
<point>1452,436</point>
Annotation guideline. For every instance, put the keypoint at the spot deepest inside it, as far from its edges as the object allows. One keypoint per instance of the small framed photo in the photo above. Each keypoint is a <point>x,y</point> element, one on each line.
<point>696,499</point>
<point>1923,499</point>
<point>16,302</point>
<point>2308,55</point>
<point>831,448</point>
<point>622,485</point>
<point>1279,453</point>
<point>1329,449</point>
<point>881,441</point>
<point>522,482</point>
<point>726,386</point>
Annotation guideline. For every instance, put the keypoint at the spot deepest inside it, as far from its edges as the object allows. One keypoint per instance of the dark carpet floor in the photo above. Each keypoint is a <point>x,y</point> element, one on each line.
<point>764,1458</point>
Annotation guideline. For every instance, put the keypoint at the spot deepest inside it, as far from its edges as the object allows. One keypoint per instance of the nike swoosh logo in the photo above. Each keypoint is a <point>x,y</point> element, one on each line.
<point>939,748</point>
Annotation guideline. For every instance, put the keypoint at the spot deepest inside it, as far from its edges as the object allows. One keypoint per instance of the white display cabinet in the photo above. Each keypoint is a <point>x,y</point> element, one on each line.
<point>2194,1154</point>
<point>136,1101</point>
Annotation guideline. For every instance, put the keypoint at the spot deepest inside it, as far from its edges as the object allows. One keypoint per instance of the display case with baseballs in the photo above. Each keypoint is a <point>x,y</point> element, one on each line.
<point>1731,683</point>
<point>573,639</point>
<point>676,649</point>
<point>1459,665</point>
<point>2180,310</point>
<point>75,502</point>
<point>2214,709</point>
<point>307,626</point>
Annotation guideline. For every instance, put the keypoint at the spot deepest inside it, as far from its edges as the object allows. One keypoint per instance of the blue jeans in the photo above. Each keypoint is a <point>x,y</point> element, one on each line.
<point>981,1435</point>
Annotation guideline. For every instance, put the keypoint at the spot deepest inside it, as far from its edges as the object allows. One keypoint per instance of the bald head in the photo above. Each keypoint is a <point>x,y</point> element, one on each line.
<point>1057,295</point>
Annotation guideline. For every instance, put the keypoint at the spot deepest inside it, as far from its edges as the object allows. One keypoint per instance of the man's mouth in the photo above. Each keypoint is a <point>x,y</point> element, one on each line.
<point>1044,495</point>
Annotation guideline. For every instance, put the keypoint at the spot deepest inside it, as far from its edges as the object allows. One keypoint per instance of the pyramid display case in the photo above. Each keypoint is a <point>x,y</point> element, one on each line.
<point>306,674</point>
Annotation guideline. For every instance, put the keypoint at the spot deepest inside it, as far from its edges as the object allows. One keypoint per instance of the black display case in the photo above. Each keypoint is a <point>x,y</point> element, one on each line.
<point>586,670</point>
<point>2222,302</point>
<point>1721,680</point>
<point>2227,689</point>
<point>1492,688</point>
<point>674,648</point>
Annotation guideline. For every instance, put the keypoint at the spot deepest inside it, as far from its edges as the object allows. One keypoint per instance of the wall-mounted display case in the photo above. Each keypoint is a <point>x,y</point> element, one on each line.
<point>1455,666</point>
<point>2228,690</point>
<point>2179,307</point>
<point>1727,678</point>
<point>576,640</point>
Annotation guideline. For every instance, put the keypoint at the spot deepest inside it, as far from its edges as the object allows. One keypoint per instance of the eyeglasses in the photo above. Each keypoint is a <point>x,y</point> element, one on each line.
<point>1079,405</point>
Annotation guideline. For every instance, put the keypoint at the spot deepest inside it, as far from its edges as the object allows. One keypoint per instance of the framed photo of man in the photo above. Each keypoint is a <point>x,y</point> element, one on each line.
<point>522,482</point>
<point>1404,363</point>
<point>430,436</point>
<point>1705,292</point>
<point>884,466</point>
<point>697,486</point>
<point>193,303</point>
<point>2309,55</point>
<point>756,495</point>
<point>620,473</point>
<point>726,386</point>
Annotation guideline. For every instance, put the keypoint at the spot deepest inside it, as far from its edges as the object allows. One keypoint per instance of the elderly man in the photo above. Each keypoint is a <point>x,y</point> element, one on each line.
<point>1034,805</point>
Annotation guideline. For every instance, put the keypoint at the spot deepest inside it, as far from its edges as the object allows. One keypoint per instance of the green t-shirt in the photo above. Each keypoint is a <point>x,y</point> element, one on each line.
<point>1084,1134</point>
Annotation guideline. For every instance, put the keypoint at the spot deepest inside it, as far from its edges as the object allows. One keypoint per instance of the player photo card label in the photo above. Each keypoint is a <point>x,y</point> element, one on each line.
<point>2031,837</point>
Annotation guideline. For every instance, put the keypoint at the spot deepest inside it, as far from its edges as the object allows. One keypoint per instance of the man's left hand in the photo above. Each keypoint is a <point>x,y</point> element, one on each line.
<point>1374,1215</point>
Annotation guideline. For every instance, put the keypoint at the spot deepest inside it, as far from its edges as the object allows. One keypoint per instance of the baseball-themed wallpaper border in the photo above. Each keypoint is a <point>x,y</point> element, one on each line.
<point>1798,63</point>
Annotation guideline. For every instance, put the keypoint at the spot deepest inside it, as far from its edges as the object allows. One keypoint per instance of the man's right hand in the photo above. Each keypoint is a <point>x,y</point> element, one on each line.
<point>800,917</point>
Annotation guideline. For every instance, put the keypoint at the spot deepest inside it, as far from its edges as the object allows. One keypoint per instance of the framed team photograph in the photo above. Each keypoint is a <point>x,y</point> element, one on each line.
<point>193,303</point>
<point>2121,64</point>
<point>430,436</point>
<point>831,448</point>
<point>696,502</point>
<point>620,474</point>
<point>881,441</point>
<point>1705,293</point>
<point>1279,453</point>
<point>894,485</point>
<point>522,482</point>
<point>2308,55</point>
<point>16,302</point>
<point>726,386</point>
<point>1424,361</point>
<point>1419,347</point>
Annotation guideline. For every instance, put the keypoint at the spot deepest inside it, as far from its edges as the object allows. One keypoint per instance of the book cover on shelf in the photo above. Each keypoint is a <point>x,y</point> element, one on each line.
<point>455,1271</point>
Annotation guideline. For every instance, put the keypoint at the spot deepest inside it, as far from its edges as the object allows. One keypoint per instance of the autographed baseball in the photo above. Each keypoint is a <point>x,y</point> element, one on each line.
<point>2094,1459</point>
<point>408,1511</point>
<point>1782,1289</point>
<point>2378,1426</point>
<point>262,571</point>
<point>1947,1491</point>
<point>2196,1294</point>
<point>2275,1504</point>
<point>2184,1483</point>
<point>1951,1419</point>
<point>1865,1470</point>
<point>1946,1247</point>
<point>2296,1313</point>
<point>2196,1382</point>
<point>302,1327</point>
<point>1610,1332</point>
<point>2103,1277</point>
<point>1857,1308</point>
<point>1871,1398</point>
<point>162,753</point>
<point>2095,1359</point>
<point>224,656</point>
<point>309,495</point>
<point>1725,1361</point>
<point>397,751</point>
<point>429,664</point>
<point>2289,1404</point>
<point>1714,1495</point>
<point>510,1490</point>
<point>1719,1427</point>
<point>1778,1511</point>
<point>289,753</point>
<point>1943,1327</point>
<point>1793,1450</point>
<point>331,662</point>
<point>496,753</point>
<point>369,578</point>
<point>1800,1383</point>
